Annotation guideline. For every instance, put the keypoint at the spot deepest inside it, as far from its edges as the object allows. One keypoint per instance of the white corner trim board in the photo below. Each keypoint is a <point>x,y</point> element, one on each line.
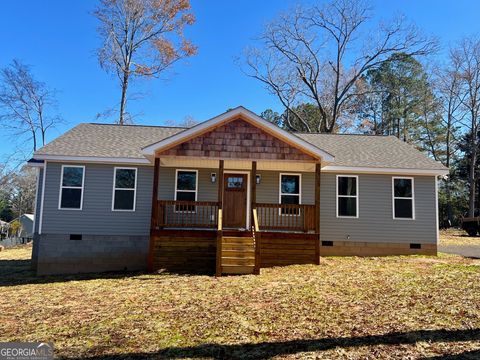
<point>42,200</point>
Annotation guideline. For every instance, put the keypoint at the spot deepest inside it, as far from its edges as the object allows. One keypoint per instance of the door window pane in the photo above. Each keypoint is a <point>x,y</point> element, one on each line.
<point>234,182</point>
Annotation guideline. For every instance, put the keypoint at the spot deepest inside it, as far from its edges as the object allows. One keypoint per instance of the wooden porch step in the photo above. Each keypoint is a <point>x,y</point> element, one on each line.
<point>246,253</point>
<point>238,261</point>
<point>237,233</point>
<point>237,270</point>
<point>238,247</point>
<point>237,240</point>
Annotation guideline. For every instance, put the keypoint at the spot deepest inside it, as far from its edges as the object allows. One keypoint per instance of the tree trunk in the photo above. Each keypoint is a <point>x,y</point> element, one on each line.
<point>472,180</point>
<point>34,139</point>
<point>123,101</point>
<point>448,181</point>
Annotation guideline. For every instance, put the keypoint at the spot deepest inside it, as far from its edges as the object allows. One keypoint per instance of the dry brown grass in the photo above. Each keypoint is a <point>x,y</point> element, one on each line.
<point>348,308</point>
<point>458,237</point>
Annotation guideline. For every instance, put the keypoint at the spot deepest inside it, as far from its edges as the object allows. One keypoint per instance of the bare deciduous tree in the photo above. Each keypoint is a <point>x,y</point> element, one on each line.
<point>448,89</point>
<point>18,189</point>
<point>142,38</point>
<point>27,106</point>
<point>317,54</point>
<point>466,59</point>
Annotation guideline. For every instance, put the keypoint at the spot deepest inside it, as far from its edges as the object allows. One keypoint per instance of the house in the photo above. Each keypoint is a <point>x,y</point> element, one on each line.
<point>231,195</point>
<point>25,231</point>
<point>3,229</point>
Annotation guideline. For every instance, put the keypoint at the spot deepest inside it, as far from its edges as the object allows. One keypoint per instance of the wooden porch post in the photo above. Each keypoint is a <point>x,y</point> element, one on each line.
<point>318,167</point>
<point>253,195</point>
<point>218,269</point>
<point>253,202</point>
<point>154,215</point>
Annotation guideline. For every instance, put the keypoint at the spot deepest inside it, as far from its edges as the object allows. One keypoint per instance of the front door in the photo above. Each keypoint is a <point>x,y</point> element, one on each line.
<point>235,201</point>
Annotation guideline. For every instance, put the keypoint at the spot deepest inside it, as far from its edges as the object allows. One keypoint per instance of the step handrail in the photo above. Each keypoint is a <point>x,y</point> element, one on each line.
<point>218,268</point>
<point>256,239</point>
<point>255,220</point>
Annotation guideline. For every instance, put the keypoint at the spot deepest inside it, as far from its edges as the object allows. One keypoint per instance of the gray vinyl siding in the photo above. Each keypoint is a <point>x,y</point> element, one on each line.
<point>207,191</point>
<point>96,216</point>
<point>38,201</point>
<point>375,222</point>
<point>269,188</point>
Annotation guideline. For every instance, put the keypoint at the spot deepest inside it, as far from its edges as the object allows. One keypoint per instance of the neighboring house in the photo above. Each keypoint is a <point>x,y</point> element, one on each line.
<point>232,194</point>
<point>25,231</point>
<point>3,229</point>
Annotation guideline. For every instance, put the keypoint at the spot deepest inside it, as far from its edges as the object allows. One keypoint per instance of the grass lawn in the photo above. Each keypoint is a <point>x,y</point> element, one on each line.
<point>350,308</point>
<point>458,237</point>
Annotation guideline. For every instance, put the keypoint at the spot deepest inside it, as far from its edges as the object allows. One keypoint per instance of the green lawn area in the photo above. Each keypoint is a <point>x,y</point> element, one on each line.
<point>347,308</point>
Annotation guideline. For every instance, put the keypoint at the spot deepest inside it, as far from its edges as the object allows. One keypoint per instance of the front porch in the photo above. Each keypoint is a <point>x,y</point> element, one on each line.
<point>237,193</point>
<point>236,233</point>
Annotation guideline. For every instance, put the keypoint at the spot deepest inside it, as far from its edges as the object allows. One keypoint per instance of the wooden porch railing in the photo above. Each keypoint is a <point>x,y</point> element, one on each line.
<point>205,214</point>
<point>187,214</point>
<point>286,217</point>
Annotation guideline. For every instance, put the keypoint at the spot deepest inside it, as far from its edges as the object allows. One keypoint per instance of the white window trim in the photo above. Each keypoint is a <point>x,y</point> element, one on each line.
<point>405,198</point>
<point>357,196</point>
<point>280,192</point>
<point>124,189</point>
<point>194,191</point>
<point>71,187</point>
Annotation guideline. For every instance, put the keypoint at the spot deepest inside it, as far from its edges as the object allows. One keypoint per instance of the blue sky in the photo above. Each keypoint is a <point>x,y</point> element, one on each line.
<point>58,39</point>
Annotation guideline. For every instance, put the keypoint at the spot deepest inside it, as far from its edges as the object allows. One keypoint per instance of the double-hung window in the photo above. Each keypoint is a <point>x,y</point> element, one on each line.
<point>186,189</point>
<point>71,187</point>
<point>347,196</point>
<point>124,189</point>
<point>403,198</point>
<point>290,190</point>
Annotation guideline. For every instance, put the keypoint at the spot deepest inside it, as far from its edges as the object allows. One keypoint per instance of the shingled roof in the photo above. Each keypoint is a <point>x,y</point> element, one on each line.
<point>372,151</point>
<point>114,141</point>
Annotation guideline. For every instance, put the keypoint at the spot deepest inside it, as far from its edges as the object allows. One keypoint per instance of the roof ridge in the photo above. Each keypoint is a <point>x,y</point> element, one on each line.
<point>342,134</point>
<point>138,125</point>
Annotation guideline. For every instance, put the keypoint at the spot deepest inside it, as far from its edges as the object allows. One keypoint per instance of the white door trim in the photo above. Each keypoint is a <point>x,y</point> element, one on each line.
<point>248,191</point>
